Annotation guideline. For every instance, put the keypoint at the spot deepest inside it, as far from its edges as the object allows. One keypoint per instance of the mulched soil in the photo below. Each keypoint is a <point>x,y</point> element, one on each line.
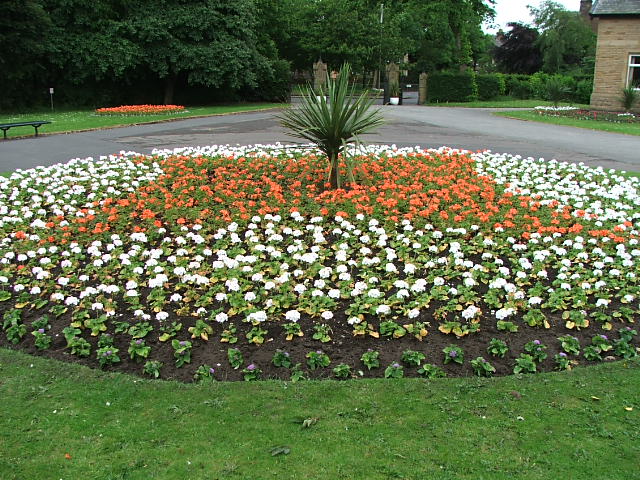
<point>343,348</point>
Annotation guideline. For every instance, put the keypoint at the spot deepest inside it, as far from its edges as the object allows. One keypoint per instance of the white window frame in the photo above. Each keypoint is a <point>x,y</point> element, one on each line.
<point>632,66</point>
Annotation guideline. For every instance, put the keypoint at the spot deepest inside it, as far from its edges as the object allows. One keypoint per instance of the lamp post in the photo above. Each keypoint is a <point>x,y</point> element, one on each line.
<point>378,83</point>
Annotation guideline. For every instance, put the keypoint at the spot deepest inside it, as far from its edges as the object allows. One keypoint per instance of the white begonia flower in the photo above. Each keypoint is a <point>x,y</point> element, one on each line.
<point>383,309</point>
<point>374,293</point>
<point>327,315</point>
<point>470,312</point>
<point>71,301</point>
<point>292,315</point>
<point>413,313</point>
<point>257,317</point>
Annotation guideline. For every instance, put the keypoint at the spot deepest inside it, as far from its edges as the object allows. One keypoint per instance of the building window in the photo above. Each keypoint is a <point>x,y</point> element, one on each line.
<point>634,71</point>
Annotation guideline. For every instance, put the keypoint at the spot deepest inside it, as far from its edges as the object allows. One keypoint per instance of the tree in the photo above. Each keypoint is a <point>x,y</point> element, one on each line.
<point>24,27</point>
<point>331,124</point>
<point>566,40</point>
<point>518,51</point>
<point>211,42</point>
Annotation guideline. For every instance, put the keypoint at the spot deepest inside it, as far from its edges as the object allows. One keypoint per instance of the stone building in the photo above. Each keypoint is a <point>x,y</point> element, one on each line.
<point>617,51</point>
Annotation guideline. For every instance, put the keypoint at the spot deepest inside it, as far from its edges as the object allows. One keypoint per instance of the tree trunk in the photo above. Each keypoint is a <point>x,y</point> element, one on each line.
<point>169,86</point>
<point>335,171</point>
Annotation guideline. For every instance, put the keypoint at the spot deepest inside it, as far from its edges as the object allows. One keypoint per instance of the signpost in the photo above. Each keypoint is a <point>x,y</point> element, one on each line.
<point>51,95</point>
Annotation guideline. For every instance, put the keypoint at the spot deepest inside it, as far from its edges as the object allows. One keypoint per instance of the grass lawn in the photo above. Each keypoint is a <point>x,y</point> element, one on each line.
<point>503,102</point>
<point>77,120</point>
<point>68,421</point>
<point>627,128</point>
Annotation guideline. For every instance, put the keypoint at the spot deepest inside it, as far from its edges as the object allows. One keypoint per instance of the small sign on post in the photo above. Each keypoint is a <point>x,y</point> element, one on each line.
<point>51,95</point>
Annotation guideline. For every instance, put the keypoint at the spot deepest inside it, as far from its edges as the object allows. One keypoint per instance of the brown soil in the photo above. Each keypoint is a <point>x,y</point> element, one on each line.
<point>344,347</point>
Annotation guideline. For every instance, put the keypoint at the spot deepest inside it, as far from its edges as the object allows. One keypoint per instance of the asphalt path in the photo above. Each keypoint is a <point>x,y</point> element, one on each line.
<point>407,125</point>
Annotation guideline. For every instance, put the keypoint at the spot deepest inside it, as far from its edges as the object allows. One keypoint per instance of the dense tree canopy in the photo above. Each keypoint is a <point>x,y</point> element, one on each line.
<point>106,50</point>
<point>518,51</point>
<point>566,41</point>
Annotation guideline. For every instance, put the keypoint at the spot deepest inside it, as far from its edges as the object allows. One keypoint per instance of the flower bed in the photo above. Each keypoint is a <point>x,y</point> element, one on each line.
<point>236,263</point>
<point>140,110</point>
<point>583,114</point>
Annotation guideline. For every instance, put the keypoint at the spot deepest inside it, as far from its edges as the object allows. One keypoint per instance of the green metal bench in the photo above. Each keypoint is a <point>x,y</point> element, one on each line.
<point>35,124</point>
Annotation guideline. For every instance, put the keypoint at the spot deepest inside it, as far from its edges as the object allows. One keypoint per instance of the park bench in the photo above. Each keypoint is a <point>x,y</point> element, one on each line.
<point>35,124</point>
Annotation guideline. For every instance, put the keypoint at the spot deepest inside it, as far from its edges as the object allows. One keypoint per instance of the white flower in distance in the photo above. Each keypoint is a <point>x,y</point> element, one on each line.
<point>505,313</point>
<point>292,315</point>
<point>374,293</point>
<point>258,317</point>
<point>327,315</point>
<point>222,317</point>
<point>383,309</point>
<point>470,312</point>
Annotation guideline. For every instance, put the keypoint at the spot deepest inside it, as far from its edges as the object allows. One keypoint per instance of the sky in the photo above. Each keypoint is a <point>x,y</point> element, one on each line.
<point>517,11</point>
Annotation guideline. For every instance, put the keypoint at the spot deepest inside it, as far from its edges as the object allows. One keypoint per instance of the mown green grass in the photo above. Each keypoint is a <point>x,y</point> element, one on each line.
<point>502,102</point>
<point>627,128</point>
<point>78,120</point>
<point>561,425</point>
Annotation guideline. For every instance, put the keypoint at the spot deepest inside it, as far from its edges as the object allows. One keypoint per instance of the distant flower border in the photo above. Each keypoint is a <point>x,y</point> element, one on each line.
<point>583,114</point>
<point>140,110</point>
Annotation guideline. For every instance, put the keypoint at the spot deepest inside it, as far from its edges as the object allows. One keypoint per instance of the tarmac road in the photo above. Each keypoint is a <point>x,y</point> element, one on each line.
<point>407,125</point>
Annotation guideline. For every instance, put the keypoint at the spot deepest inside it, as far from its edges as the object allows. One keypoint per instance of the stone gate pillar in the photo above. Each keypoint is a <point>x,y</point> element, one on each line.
<point>422,88</point>
<point>319,75</point>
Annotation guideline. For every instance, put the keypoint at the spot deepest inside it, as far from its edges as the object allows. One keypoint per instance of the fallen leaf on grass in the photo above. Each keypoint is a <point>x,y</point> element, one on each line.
<point>282,450</point>
<point>67,456</point>
<point>306,422</point>
<point>629,409</point>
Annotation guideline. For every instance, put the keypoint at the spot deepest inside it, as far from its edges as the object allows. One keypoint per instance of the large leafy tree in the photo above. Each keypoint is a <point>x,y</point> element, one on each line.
<point>518,51</point>
<point>24,28</point>
<point>210,42</point>
<point>89,40</point>
<point>436,34</point>
<point>566,40</point>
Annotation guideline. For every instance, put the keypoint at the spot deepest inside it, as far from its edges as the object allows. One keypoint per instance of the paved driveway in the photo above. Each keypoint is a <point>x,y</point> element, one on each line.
<point>408,125</point>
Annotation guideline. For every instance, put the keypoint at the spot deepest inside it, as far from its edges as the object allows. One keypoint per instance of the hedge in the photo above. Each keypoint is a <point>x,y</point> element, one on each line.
<point>451,87</point>
<point>468,86</point>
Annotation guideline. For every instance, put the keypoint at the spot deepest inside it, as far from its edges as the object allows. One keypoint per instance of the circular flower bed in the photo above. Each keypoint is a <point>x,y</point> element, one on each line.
<point>237,263</point>
<point>140,110</point>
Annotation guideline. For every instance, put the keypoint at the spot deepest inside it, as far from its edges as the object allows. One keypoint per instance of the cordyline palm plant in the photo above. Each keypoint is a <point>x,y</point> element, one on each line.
<point>332,122</point>
<point>629,96</point>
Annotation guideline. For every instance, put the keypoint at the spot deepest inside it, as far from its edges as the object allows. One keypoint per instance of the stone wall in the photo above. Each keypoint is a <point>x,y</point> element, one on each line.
<point>618,37</point>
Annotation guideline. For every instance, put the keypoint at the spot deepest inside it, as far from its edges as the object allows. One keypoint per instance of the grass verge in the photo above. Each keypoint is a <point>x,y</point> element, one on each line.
<point>626,128</point>
<point>78,120</point>
<point>502,102</point>
<point>67,421</point>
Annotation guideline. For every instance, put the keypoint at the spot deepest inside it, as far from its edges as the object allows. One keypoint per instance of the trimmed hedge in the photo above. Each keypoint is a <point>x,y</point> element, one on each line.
<point>451,87</point>
<point>490,86</point>
<point>468,86</point>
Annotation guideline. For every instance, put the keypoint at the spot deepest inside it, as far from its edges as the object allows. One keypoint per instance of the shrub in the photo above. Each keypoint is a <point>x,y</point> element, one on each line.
<point>518,86</point>
<point>490,86</point>
<point>583,91</point>
<point>556,90</point>
<point>628,97</point>
<point>538,84</point>
<point>451,87</point>
<point>274,84</point>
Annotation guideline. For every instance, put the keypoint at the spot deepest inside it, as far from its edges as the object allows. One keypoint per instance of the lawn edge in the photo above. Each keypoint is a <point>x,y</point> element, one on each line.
<point>166,120</point>
<point>505,114</point>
